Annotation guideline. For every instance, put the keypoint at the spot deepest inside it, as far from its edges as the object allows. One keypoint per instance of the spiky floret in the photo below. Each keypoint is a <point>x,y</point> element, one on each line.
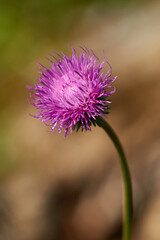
<point>73,92</point>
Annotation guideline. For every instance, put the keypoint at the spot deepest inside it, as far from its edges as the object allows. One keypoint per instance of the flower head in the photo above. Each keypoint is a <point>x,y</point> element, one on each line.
<point>73,92</point>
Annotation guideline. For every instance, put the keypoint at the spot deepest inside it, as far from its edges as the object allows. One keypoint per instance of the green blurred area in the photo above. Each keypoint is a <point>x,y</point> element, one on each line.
<point>25,26</point>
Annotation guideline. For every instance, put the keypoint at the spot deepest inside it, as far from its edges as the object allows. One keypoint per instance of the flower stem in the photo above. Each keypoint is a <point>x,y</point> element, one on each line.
<point>128,212</point>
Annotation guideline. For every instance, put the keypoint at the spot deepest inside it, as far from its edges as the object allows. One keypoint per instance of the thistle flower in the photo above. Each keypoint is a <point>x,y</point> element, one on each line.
<point>73,92</point>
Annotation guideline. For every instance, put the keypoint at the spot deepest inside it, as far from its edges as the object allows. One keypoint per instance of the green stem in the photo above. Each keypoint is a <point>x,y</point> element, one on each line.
<point>127,217</point>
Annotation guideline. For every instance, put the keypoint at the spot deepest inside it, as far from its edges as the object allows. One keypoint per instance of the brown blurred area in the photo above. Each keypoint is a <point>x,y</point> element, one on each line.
<point>53,188</point>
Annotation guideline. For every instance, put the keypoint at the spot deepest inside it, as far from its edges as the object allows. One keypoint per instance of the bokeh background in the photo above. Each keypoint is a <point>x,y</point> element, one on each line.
<point>53,188</point>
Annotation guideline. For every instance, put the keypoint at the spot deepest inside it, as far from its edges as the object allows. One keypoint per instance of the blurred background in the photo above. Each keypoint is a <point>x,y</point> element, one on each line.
<point>53,188</point>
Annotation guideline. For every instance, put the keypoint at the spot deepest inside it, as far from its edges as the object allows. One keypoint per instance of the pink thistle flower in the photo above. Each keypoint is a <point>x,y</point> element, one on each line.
<point>73,92</point>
